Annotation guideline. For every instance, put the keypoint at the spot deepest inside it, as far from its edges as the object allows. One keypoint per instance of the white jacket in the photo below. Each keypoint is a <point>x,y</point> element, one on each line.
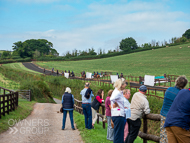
<point>117,96</point>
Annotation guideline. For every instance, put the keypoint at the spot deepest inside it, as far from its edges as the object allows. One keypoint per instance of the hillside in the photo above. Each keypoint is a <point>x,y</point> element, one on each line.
<point>169,60</point>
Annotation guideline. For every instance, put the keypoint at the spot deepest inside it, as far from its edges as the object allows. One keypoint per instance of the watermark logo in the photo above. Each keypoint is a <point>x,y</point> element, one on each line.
<point>34,126</point>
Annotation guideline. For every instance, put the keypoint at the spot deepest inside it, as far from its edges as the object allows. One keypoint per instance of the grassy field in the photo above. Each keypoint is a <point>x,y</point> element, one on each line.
<point>7,83</point>
<point>170,60</point>
<point>19,66</point>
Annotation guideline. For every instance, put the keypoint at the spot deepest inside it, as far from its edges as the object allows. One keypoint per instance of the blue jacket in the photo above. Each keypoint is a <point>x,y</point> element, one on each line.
<point>169,97</point>
<point>67,101</point>
<point>84,99</point>
<point>179,113</point>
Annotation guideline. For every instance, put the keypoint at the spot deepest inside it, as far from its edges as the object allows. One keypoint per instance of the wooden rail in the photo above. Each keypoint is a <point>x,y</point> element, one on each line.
<point>144,135</point>
<point>8,102</point>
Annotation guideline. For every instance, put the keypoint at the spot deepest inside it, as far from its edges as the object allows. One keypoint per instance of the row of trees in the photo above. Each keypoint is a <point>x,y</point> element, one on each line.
<point>41,47</point>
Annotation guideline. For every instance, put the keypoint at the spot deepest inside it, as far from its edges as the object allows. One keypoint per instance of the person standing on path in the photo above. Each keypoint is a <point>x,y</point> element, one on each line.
<point>110,130</point>
<point>68,105</point>
<point>177,122</point>
<point>98,100</point>
<point>169,97</point>
<point>139,106</point>
<point>117,111</point>
<point>87,95</point>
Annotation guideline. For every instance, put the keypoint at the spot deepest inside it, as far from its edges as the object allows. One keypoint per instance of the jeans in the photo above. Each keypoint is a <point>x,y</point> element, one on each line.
<point>65,116</point>
<point>134,127</point>
<point>87,115</point>
<point>118,128</point>
<point>110,130</point>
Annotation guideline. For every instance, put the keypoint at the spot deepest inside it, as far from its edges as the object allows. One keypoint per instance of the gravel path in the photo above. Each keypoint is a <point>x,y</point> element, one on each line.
<point>42,126</point>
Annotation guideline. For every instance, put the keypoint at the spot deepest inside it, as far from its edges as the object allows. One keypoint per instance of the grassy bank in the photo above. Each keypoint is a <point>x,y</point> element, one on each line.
<point>24,109</point>
<point>170,60</point>
<point>97,135</point>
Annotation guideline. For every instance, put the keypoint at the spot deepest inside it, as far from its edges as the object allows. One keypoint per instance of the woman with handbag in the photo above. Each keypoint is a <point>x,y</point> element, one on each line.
<point>118,110</point>
<point>68,105</point>
<point>98,100</point>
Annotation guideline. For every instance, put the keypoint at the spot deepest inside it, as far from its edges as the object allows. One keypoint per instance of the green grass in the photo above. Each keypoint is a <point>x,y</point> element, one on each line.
<point>97,135</point>
<point>20,66</point>
<point>170,60</point>
<point>7,83</point>
<point>24,109</point>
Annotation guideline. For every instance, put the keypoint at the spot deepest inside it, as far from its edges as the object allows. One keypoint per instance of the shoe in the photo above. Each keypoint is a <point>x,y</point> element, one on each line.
<point>73,128</point>
<point>63,129</point>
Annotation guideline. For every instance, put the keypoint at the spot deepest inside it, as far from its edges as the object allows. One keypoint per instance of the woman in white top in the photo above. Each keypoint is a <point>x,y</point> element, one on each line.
<point>117,111</point>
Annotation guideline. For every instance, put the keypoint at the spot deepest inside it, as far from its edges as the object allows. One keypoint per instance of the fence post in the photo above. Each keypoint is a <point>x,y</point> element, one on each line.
<point>103,113</point>
<point>98,117</point>
<point>144,127</point>
<point>4,104</point>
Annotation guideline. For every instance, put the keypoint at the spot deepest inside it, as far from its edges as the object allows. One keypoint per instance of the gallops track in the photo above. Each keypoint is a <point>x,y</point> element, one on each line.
<point>33,67</point>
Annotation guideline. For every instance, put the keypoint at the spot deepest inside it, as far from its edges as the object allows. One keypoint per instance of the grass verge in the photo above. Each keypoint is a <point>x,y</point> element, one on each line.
<point>24,109</point>
<point>97,135</point>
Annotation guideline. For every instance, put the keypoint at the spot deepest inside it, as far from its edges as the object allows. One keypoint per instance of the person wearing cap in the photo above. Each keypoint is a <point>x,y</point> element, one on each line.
<point>139,106</point>
<point>177,122</point>
<point>118,110</point>
<point>86,105</point>
<point>68,105</point>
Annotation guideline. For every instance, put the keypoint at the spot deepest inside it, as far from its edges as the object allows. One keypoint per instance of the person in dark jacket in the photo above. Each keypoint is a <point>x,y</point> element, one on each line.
<point>98,100</point>
<point>169,97</point>
<point>68,105</point>
<point>177,122</point>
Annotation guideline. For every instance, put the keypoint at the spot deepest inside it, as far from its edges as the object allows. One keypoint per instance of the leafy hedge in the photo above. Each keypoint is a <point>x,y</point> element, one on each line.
<point>5,61</point>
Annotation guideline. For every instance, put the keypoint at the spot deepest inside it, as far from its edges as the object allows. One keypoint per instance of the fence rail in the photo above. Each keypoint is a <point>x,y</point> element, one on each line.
<point>144,135</point>
<point>8,102</point>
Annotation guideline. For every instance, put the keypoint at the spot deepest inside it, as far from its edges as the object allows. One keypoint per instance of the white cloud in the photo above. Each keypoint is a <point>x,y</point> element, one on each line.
<point>106,25</point>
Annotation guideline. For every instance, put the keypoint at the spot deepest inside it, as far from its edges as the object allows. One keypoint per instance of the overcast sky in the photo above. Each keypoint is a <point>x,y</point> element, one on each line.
<point>83,24</point>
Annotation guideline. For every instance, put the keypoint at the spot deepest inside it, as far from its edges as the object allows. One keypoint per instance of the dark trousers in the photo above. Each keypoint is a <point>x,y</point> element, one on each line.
<point>118,128</point>
<point>65,116</point>
<point>134,127</point>
<point>87,115</point>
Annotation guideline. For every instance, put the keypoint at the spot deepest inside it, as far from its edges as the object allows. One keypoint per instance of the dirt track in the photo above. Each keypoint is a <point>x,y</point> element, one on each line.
<point>42,126</point>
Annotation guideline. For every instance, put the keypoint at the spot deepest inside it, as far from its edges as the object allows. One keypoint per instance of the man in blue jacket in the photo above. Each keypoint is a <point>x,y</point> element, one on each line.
<point>86,105</point>
<point>177,122</point>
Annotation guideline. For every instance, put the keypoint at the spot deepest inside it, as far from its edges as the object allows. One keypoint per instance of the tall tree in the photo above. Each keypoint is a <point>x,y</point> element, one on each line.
<point>27,48</point>
<point>187,34</point>
<point>128,44</point>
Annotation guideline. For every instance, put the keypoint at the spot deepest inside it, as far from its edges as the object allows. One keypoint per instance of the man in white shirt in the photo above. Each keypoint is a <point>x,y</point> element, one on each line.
<point>139,105</point>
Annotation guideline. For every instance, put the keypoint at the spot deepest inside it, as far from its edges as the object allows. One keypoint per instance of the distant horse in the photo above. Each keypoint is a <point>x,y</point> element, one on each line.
<point>72,74</point>
<point>121,75</point>
<point>83,74</point>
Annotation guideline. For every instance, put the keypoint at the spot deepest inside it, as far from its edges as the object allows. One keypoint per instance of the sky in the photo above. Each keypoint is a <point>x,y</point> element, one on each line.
<point>84,24</point>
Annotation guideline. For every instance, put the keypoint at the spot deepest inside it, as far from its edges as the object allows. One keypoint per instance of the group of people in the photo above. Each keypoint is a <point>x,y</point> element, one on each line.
<point>124,118</point>
<point>120,76</point>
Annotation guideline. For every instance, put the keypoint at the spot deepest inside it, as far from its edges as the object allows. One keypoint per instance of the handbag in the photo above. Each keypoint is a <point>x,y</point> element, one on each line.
<point>112,124</point>
<point>61,109</point>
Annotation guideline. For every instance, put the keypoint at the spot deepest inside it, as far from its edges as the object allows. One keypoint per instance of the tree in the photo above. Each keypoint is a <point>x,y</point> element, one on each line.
<point>128,44</point>
<point>27,48</point>
<point>6,54</point>
<point>187,34</point>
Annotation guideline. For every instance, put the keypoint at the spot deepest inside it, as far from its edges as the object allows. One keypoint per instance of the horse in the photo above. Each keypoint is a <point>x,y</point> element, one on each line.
<point>83,74</point>
<point>121,75</point>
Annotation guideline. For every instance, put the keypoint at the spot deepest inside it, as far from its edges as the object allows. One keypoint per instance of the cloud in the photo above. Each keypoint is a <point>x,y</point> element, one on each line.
<point>106,25</point>
<point>37,1</point>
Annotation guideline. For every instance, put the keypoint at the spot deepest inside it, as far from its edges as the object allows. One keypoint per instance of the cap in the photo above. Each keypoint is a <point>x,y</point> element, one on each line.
<point>143,88</point>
